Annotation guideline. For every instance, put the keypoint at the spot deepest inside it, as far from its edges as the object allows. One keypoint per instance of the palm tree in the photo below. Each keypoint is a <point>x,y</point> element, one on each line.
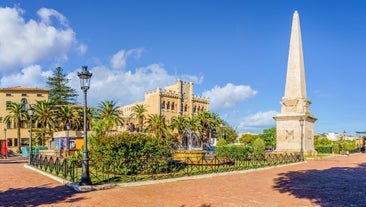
<point>156,124</point>
<point>108,110</point>
<point>68,114</point>
<point>139,111</point>
<point>194,124</point>
<point>17,116</point>
<point>207,120</point>
<point>45,118</point>
<point>90,115</point>
<point>180,124</point>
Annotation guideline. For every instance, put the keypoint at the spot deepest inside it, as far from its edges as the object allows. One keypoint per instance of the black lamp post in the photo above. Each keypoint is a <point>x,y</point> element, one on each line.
<point>30,113</point>
<point>85,76</point>
<point>344,143</point>
<point>302,138</point>
<point>67,139</point>
<point>6,144</point>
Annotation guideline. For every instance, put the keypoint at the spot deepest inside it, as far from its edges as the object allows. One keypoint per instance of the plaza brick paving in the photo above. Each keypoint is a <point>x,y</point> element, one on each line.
<point>329,182</point>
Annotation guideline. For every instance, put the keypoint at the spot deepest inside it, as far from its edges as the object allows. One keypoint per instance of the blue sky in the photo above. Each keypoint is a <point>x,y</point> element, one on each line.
<point>235,52</point>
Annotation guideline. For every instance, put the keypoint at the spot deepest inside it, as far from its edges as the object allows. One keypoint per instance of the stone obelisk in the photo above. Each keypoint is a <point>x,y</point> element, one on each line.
<point>295,124</point>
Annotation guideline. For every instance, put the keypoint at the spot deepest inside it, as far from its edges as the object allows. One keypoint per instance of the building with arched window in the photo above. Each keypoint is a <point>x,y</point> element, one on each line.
<point>23,95</point>
<point>174,100</point>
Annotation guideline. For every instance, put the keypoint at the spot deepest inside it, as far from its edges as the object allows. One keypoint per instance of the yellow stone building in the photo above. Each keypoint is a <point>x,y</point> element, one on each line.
<point>174,100</point>
<point>18,94</point>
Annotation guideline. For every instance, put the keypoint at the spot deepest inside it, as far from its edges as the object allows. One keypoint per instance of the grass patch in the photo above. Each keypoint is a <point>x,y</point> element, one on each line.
<point>319,155</point>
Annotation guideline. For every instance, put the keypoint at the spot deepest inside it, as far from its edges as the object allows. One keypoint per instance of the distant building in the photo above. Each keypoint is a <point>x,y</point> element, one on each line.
<point>174,100</point>
<point>22,95</point>
<point>335,136</point>
<point>360,141</point>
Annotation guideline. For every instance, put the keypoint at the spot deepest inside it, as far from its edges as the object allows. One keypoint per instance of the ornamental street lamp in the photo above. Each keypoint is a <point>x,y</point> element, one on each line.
<point>6,144</point>
<point>302,138</point>
<point>67,139</point>
<point>344,143</point>
<point>30,113</point>
<point>85,76</point>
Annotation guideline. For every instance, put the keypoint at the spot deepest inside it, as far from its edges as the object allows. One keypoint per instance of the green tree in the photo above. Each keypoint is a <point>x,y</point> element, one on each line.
<point>108,110</point>
<point>139,111</point>
<point>67,114</point>
<point>90,115</point>
<point>156,124</point>
<point>248,139</point>
<point>269,137</point>
<point>60,92</point>
<point>208,121</point>
<point>194,124</point>
<point>179,123</point>
<point>45,118</point>
<point>16,116</point>
<point>101,127</point>
<point>228,133</point>
<point>221,142</point>
<point>259,148</point>
<point>321,139</point>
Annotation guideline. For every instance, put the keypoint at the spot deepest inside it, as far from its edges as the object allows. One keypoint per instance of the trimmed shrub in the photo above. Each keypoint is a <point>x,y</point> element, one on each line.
<point>232,151</point>
<point>131,153</point>
<point>324,149</point>
<point>336,149</point>
<point>350,146</point>
<point>259,147</point>
<point>221,142</point>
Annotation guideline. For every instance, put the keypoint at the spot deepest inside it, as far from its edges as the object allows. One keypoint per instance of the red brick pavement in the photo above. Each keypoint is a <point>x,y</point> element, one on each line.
<point>330,182</point>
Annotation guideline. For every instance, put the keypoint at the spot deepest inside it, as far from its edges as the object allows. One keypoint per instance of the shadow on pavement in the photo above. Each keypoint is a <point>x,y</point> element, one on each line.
<point>35,196</point>
<point>328,188</point>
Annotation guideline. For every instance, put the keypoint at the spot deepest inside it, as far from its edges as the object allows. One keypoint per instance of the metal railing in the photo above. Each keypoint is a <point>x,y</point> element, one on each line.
<point>60,167</point>
<point>114,171</point>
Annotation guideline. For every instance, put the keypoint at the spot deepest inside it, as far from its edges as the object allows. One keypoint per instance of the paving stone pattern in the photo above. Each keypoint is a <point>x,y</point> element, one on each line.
<point>328,182</point>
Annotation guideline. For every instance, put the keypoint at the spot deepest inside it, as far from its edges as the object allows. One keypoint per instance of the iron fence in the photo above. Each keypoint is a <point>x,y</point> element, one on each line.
<point>357,150</point>
<point>60,167</point>
<point>115,171</point>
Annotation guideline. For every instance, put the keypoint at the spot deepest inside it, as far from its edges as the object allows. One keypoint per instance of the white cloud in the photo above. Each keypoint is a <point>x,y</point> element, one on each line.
<point>229,96</point>
<point>118,61</point>
<point>193,78</point>
<point>31,76</point>
<point>124,87</point>
<point>47,14</point>
<point>258,121</point>
<point>23,43</point>
<point>82,49</point>
<point>127,86</point>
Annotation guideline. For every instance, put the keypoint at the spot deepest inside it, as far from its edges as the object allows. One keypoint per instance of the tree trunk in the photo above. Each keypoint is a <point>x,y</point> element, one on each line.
<point>18,133</point>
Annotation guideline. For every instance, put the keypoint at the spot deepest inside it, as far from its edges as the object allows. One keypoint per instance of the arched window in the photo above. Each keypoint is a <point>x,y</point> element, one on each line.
<point>168,105</point>
<point>194,109</point>
<point>173,106</point>
<point>185,107</point>
<point>163,105</point>
<point>24,103</point>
